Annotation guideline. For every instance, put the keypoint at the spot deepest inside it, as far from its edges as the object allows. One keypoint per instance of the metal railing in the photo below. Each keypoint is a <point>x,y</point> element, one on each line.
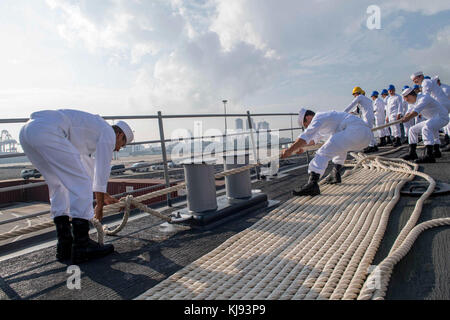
<point>162,141</point>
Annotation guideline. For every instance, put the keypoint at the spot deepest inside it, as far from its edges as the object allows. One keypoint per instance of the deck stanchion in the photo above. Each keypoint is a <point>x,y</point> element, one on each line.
<point>164,155</point>
<point>255,152</point>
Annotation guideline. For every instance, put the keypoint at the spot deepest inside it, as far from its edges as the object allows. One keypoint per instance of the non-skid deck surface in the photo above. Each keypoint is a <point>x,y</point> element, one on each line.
<point>146,255</point>
<point>308,248</point>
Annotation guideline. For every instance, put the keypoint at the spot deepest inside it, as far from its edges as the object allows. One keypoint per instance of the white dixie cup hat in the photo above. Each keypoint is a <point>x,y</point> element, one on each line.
<point>126,130</point>
<point>301,117</point>
<point>407,91</point>
<point>416,74</point>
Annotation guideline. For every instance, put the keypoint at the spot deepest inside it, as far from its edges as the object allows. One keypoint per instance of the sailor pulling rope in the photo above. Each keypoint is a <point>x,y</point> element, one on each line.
<point>60,144</point>
<point>130,201</point>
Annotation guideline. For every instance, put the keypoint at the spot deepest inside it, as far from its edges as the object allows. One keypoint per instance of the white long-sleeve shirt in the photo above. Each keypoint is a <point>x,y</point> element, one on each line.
<point>379,108</point>
<point>366,107</point>
<point>394,106</point>
<point>429,107</point>
<point>89,134</point>
<point>325,124</point>
<point>404,107</point>
<point>446,89</point>
<point>432,88</point>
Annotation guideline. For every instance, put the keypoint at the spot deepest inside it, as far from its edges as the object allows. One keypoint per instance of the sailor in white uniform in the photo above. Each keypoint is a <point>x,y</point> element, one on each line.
<point>418,91</point>
<point>394,112</point>
<point>380,116</point>
<point>437,117</point>
<point>431,87</point>
<point>343,132</point>
<point>407,108</point>
<point>367,114</point>
<point>385,97</point>
<point>446,89</point>
<point>61,144</point>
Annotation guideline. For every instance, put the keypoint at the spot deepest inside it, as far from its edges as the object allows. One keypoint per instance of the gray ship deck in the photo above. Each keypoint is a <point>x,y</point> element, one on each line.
<point>148,252</point>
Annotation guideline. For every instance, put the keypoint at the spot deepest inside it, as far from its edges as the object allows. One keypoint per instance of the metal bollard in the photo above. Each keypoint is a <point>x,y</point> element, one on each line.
<point>200,186</point>
<point>238,186</point>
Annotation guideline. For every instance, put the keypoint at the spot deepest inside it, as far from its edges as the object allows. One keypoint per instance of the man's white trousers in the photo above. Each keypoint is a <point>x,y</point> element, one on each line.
<point>379,121</point>
<point>352,138</point>
<point>70,186</point>
<point>395,129</point>
<point>429,129</point>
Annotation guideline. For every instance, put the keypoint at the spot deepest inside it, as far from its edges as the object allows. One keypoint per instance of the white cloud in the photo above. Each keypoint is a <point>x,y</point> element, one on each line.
<point>199,74</point>
<point>133,28</point>
<point>434,59</point>
<point>425,7</point>
<point>186,56</point>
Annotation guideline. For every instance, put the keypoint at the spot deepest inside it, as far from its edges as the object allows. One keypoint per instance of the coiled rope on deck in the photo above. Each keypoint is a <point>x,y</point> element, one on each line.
<point>311,248</point>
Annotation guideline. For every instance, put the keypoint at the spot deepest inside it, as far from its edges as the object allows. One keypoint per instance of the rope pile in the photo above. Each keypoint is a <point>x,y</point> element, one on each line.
<point>308,248</point>
<point>311,248</point>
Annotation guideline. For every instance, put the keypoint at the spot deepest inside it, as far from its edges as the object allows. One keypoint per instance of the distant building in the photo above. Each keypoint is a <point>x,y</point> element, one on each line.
<point>263,125</point>
<point>239,124</point>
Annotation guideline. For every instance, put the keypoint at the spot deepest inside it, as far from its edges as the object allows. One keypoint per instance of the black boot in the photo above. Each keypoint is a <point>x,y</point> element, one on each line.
<point>428,158</point>
<point>446,140</point>
<point>64,234</point>
<point>397,142</point>
<point>370,149</point>
<point>412,155</point>
<point>83,248</point>
<point>437,152</point>
<point>446,149</point>
<point>389,140</point>
<point>311,188</point>
<point>335,175</point>
<point>382,142</point>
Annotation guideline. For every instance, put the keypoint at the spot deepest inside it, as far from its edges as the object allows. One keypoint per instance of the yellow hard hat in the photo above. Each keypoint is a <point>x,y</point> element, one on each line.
<point>357,90</point>
<point>363,92</point>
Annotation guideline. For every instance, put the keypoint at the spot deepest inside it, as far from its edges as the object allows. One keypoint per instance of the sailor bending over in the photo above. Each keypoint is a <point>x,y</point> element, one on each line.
<point>344,132</point>
<point>61,145</point>
<point>437,117</point>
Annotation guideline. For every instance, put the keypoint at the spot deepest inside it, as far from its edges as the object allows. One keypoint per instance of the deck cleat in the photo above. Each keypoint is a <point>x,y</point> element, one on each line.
<point>177,217</point>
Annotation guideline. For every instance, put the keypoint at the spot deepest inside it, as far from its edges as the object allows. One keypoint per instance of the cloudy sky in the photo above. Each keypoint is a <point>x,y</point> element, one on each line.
<point>119,57</point>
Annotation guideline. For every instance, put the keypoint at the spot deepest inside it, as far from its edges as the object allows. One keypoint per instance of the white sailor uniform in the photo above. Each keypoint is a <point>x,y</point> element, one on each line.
<point>344,132</point>
<point>60,144</point>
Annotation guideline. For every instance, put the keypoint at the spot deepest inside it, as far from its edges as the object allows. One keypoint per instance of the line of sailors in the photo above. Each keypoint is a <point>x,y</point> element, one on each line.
<point>61,145</point>
<point>423,109</point>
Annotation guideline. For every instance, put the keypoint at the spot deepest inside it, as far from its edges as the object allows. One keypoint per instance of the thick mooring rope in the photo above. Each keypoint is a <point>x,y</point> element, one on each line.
<point>127,202</point>
<point>311,248</point>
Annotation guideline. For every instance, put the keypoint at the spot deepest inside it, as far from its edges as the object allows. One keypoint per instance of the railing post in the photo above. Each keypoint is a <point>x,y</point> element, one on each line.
<point>164,155</point>
<point>292,130</point>
<point>255,153</point>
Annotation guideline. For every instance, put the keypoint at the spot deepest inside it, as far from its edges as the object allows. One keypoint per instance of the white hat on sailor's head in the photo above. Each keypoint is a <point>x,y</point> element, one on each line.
<point>126,130</point>
<point>301,117</point>
<point>407,91</point>
<point>416,74</point>
<point>435,78</point>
